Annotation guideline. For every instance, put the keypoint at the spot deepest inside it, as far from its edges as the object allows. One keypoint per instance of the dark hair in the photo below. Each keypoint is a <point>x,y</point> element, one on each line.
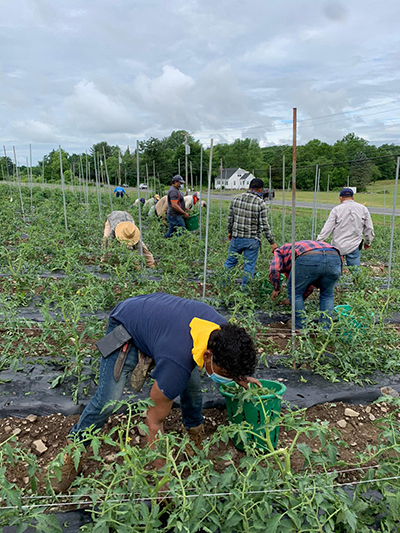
<point>256,183</point>
<point>233,350</point>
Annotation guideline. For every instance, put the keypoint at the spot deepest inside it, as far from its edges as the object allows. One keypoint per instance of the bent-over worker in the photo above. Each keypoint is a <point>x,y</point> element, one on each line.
<point>120,192</point>
<point>121,226</point>
<point>318,264</point>
<point>181,337</point>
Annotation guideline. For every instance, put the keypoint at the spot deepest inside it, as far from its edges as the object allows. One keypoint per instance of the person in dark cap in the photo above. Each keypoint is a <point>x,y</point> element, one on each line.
<point>349,222</point>
<point>176,207</point>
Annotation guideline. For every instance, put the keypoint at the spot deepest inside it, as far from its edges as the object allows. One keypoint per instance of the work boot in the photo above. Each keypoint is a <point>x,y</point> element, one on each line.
<point>196,436</point>
<point>68,474</point>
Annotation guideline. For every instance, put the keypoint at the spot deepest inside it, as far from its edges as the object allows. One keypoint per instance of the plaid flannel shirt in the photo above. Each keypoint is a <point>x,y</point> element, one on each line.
<point>282,261</point>
<point>248,217</point>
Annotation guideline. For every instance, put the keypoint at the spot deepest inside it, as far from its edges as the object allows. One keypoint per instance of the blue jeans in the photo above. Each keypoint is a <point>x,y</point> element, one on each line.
<point>321,270</point>
<point>354,259</point>
<point>109,389</point>
<point>174,224</point>
<point>249,248</point>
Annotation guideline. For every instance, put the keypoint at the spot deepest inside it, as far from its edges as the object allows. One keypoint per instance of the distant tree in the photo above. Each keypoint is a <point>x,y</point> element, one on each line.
<point>360,171</point>
<point>7,166</point>
<point>52,166</point>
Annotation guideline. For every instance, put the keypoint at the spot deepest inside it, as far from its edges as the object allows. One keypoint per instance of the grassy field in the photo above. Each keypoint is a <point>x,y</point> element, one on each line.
<point>374,197</point>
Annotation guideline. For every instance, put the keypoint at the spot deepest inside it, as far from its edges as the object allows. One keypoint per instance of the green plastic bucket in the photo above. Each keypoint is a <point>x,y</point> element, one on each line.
<point>350,323</point>
<point>256,414</point>
<point>192,223</point>
<point>267,288</point>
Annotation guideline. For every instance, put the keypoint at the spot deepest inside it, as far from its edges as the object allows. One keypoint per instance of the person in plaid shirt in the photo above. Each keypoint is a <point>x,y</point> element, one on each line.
<point>318,264</point>
<point>248,217</point>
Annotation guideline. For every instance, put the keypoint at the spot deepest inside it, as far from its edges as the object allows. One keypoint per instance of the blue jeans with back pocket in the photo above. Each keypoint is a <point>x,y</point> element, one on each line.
<point>322,270</point>
<point>108,389</point>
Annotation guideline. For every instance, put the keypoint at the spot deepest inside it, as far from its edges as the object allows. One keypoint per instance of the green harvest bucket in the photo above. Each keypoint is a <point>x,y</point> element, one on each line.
<point>192,223</point>
<point>253,413</point>
<point>267,288</point>
<point>350,324</point>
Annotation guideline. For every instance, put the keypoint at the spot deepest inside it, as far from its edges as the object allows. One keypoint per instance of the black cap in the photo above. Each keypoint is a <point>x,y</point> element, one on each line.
<point>346,192</point>
<point>256,183</point>
<point>178,178</point>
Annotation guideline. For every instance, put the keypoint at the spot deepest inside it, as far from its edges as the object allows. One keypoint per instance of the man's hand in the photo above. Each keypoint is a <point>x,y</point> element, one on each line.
<point>245,382</point>
<point>229,236</point>
<point>274,247</point>
<point>366,246</point>
<point>185,215</point>
<point>274,294</point>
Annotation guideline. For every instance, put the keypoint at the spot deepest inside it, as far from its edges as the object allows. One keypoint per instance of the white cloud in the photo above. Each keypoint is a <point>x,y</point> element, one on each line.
<point>93,111</point>
<point>34,131</point>
<point>127,70</point>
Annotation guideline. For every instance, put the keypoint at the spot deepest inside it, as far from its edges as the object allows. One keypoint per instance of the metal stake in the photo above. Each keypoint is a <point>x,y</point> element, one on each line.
<point>19,185</point>
<point>270,197</point>
<point>201,184</point>
<point>63,189</point>
<point>139,203</point>
<point>108,178</point>
<point>293,269</point>
<point>393,219</point>
<point>283,200</point>
<point>314,200</point>
<point>207,220</point>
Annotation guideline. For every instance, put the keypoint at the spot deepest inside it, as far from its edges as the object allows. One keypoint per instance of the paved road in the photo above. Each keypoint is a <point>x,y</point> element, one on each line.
<point>309,205</point>
<point>228,196</point>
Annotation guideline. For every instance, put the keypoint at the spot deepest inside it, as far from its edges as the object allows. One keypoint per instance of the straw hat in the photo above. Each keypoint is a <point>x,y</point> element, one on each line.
<point>127,232</point>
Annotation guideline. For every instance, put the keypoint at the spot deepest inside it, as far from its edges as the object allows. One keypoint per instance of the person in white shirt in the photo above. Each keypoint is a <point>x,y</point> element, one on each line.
<point>349,222</point>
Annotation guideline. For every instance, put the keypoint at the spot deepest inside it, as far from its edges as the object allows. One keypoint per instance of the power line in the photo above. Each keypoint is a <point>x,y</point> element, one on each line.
<point>301,122</point>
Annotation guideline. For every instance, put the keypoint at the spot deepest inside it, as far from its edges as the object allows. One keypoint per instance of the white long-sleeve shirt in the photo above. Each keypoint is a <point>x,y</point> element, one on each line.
<point>348,222</point>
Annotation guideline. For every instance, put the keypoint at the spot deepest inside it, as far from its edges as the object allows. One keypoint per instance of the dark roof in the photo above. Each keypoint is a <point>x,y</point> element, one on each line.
<point>227,173</point>
<point>245,176</point>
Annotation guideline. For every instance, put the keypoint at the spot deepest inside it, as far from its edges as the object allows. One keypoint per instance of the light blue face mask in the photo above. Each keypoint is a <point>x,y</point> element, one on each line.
<point>221,380</point>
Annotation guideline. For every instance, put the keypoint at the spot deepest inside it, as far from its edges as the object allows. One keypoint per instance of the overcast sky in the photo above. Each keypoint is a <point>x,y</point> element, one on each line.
<point>78,72</point>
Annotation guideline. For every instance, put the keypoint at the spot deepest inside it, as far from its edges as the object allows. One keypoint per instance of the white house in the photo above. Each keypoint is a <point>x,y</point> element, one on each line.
<point>233,178</point>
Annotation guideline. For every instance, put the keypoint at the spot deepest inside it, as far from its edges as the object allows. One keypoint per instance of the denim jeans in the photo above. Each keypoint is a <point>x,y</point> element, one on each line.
<point>321,270</point>
<point>249,248</point>
<point>109,389</point>
<point>174,224</point>
<point>354,258</point>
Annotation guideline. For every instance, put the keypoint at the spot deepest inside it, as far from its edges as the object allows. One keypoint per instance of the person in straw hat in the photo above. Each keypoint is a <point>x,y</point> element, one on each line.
<point>121,226</point>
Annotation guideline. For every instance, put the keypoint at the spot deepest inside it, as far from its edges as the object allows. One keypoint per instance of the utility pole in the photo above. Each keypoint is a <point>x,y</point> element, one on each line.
<point>119,168</point>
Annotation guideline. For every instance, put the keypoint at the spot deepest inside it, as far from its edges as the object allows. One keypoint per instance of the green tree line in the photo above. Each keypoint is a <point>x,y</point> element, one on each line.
<point>351,159</point>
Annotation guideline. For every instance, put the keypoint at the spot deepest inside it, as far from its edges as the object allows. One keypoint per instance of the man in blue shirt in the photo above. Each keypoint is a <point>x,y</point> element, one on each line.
<point>119,192</point>
<point>181,337</point>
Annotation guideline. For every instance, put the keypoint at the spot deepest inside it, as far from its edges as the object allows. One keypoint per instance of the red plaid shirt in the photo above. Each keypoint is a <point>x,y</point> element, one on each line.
<point>282,261</point>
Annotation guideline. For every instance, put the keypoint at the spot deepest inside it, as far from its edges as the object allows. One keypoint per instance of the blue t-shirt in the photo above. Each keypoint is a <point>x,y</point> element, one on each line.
<point>159,325</point>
